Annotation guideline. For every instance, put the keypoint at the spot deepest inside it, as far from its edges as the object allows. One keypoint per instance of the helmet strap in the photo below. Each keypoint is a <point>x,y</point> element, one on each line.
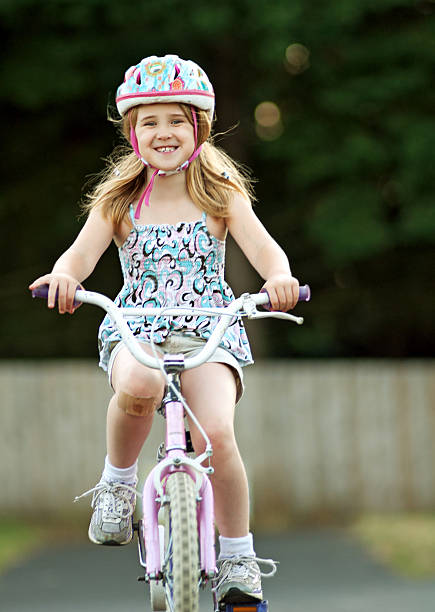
<point>195,124</point>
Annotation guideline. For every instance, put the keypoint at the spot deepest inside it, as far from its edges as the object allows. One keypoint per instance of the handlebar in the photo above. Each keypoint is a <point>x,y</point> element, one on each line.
<point>245,305</point>
<point>42,292</point>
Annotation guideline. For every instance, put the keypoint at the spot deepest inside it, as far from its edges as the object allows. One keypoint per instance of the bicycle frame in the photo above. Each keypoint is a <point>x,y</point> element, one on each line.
<point>176,458</point>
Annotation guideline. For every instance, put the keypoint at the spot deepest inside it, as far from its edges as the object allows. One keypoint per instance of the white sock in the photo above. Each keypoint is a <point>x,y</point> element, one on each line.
<point>112,473</point>
<point>231,547</point>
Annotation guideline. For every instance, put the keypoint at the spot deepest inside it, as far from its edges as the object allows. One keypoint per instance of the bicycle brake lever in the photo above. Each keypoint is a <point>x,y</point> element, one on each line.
<point>276,315</point>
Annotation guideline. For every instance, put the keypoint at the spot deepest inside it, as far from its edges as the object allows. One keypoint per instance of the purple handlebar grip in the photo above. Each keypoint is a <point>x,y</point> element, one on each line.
<point>42,292</point>
<point>304,293</point>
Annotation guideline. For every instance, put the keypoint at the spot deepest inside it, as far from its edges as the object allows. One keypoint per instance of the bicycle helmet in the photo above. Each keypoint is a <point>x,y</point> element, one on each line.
<point>165,79</point>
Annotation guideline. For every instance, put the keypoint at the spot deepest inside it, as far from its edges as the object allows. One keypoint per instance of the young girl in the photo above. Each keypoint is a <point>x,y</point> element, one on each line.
<point>168,201</point>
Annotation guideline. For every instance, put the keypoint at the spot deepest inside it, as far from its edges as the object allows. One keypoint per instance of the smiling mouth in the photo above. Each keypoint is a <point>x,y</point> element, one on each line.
<point>166,149</point>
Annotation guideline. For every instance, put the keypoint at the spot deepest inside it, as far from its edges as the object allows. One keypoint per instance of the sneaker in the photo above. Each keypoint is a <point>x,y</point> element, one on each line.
<point>239,579</point>
<point>112,520</point>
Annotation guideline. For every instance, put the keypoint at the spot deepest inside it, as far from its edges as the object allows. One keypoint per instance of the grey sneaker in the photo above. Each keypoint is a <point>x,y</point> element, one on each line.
<point>239,579</point>
<point>112,520</point>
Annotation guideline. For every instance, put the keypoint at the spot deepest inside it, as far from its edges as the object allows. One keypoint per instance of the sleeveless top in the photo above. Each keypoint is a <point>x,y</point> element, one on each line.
<point>174,265</point>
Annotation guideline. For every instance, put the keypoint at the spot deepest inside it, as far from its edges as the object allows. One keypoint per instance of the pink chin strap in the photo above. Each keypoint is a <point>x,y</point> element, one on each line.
<point>145,197</point>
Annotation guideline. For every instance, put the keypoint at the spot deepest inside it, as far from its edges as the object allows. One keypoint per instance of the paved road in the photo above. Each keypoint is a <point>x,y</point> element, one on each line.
<point>320,571</point>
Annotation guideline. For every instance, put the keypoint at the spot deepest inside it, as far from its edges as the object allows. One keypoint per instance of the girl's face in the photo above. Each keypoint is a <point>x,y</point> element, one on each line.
<point>164,134</point>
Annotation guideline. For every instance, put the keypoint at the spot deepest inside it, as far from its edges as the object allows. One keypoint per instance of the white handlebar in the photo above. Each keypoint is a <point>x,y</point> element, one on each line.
<point>245,304</point>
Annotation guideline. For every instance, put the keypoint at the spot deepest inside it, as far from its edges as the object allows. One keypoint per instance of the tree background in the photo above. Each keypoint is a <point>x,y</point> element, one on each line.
<point>345,177</point>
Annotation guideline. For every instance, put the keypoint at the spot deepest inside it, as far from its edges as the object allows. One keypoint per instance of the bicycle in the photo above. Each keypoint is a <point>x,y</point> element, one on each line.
<point>176,535</point>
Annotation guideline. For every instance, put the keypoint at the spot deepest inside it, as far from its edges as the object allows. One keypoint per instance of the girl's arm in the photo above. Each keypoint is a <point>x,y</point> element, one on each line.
<point>264,254</point>
<point>78,262</point>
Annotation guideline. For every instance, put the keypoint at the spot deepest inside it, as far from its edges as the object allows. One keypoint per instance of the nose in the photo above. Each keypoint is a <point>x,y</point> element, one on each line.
<point>164,133</point>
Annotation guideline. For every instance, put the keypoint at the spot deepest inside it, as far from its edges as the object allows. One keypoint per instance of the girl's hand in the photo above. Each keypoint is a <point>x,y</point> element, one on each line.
<point>64,285</point>
<point>283,291</point>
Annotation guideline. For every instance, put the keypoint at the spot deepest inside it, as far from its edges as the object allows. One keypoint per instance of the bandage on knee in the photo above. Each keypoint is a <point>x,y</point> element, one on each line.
<point>136,406</point>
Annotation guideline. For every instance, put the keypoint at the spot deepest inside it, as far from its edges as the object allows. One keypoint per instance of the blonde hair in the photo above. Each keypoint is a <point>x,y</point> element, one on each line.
<point>211,179</point>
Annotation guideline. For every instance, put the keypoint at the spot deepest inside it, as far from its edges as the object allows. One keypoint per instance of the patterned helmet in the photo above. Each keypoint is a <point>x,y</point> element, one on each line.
<point>165,79</point>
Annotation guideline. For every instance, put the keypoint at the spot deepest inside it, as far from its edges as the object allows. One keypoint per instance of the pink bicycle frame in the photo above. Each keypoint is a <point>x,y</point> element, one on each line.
<point>176,460</point>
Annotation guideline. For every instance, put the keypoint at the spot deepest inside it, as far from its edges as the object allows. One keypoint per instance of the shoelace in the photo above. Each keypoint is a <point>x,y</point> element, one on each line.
<point>238,565</point>
<point>116,503</point>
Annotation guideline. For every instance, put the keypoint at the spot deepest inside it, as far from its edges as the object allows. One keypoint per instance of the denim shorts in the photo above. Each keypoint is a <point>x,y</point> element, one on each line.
<point>189,345</point>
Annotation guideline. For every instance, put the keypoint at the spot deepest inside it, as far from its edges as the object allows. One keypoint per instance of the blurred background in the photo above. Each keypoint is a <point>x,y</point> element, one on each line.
<point>331,105</point>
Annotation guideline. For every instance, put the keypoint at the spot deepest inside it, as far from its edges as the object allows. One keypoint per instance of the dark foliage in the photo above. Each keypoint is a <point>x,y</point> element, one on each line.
<point>344,174</point>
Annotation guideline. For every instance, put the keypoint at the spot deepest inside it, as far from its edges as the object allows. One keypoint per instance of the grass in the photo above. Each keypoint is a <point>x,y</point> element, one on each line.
<point>404,542</point>
<point>18,540</point>
<point>22,538</point>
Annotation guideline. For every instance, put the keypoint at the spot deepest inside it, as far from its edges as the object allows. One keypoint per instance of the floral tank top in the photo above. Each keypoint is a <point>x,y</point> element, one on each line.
<point>174,265</point>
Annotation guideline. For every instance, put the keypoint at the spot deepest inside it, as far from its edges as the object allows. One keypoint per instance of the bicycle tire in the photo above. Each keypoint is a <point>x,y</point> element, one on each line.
<point>181,567</point>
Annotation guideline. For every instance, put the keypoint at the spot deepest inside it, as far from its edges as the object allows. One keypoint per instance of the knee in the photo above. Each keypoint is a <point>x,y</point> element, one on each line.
<point>221,438</point>
<point>139,394</point>
<point>136,406</point>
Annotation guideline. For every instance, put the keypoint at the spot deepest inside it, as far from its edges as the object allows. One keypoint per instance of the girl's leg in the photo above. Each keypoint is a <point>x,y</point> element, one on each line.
<point>210,391</point>
<point>138,392</point>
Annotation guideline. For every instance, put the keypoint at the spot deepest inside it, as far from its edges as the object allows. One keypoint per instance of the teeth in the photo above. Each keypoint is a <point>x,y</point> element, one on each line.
<point>165,149</point>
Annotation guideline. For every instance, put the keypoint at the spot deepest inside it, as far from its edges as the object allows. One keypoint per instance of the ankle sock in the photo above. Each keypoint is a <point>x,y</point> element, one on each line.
<point>231,547</point>
<point>112,473</point>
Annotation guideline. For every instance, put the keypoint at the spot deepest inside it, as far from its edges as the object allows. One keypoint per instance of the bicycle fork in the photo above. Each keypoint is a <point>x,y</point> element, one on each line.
<point>176,460</point>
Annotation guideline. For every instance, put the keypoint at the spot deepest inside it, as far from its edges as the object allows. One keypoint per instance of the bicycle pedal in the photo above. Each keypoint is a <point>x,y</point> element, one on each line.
<point>262,606</point>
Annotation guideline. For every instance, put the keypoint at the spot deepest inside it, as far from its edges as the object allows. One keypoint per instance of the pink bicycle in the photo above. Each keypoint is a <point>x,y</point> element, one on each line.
<point>176,534</point>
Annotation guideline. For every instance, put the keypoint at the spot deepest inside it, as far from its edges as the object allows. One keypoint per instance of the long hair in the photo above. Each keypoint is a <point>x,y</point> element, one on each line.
<point>211,179</point>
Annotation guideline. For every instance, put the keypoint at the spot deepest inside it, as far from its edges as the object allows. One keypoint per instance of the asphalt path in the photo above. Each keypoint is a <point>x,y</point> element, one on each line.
<point>319,571</point>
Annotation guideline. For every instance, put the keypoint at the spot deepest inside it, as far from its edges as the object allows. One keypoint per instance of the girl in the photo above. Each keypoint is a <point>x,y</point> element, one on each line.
<point>168,201</point>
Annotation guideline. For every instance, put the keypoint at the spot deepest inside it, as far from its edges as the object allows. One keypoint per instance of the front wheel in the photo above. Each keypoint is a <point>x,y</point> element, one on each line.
<point>181,561</point>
